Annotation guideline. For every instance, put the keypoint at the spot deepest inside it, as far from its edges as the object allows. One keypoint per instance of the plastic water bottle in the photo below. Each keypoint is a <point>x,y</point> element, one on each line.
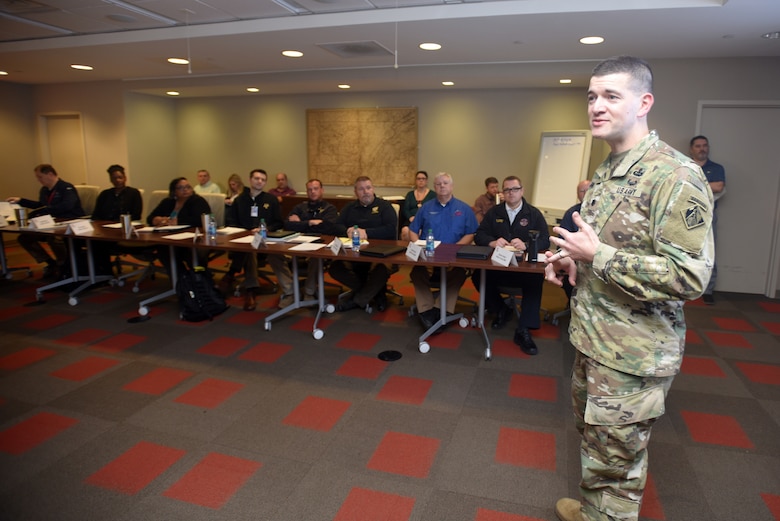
<point>430,244</point>
<point>212,231</point>
<point>263,230</point>
<point>355,239</point>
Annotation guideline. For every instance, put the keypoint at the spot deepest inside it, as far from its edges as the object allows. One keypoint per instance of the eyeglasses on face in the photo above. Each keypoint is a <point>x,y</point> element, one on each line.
<point>184,187</point>
<point>513,190</point>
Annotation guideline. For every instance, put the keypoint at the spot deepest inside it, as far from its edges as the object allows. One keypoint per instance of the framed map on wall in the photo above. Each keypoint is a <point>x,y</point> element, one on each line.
<point>378,142</point>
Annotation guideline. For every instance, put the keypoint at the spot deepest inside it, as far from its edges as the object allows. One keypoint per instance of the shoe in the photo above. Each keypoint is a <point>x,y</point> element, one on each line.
<point>286,300</point>
<point>427,318</point>
<point>381,301</point>
<point>708,299</point>
<point>501,317</point>
<point>524,340</point>
<point>346,305</point>
<point>568,509</point>
<point>249,300</point>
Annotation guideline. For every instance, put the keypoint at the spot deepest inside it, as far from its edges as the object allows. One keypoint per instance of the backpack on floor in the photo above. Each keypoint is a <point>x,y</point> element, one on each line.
<point>199,299</point>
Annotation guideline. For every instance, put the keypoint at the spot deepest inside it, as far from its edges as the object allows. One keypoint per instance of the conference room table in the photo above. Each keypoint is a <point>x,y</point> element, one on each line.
<point>445,257</point>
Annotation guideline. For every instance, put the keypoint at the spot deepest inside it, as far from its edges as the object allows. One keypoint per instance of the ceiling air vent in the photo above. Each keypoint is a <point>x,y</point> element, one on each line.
<point>363,49</point>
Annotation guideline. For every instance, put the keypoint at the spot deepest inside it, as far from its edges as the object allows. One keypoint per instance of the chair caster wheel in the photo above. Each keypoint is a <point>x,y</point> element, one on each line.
<point>463,322</point>
<point>330,308</point>
<point>267,326</point>
<point>73,301</point>
<point>488,355</point>
<point>424,347</point>
<point>143,311</point>
<point>318,334</point>
<point>136,289</point>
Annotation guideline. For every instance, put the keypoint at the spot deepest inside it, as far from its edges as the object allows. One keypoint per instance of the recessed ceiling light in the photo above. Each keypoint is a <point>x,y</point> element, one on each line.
<point>81,67</point>
<point>179,61</point>
<point>345,86</point>
<point>3,73</point>
<point>292,54</point>
<point>430,46</point>
<point>448,83</point>
<point>252,89</point>
<point>775,35</point>
<point>564,81</point>
<point>172,93</point>
<point>591,40</point>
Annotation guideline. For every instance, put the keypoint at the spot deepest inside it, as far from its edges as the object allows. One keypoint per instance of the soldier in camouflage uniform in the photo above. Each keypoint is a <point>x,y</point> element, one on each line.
<point>644,246</point>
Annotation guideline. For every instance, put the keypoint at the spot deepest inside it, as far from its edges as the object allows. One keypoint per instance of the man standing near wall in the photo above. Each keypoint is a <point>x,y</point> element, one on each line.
<point>716,176</point>
<point>643,247</point>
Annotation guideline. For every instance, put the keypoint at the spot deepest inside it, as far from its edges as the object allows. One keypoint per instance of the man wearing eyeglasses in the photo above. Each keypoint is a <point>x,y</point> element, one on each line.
<point>509,225</point>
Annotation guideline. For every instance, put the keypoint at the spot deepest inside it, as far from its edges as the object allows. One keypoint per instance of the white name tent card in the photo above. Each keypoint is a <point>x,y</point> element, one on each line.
<point>80,227</point>
<point>503,257</point>
<point>3,222</point>
<point>257,240</point>
<point>336,245</point>
<point>42,222</point>
<point>413,251</point>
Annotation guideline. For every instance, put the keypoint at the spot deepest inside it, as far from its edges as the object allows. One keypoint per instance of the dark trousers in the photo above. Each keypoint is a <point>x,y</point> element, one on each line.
<point>33,245</point>
<point>531,284</point>
<point>363,278</point>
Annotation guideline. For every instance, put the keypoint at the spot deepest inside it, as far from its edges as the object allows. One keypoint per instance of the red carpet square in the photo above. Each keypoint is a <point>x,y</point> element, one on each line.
<point>701,367</point>
<point>265,352</point>
<point>210,393</point>
<point>370,505</point>
<point>542,388</point>
<point>405,454</point>
<point>158,381</point>
<point>492,515</point>
<point>33,431</point>
<point>699,302</point>
<point>760,373</point>
<point>318,414</point>
<point>25,357</point>
<point>362,367</point>
<point>716,429</point>
<point>306,324</point>
<point>136,468</point>
<point>772,327</point>
<point>223,346</point>
<point>773,504</point>
<point>772,307</point>
<point>50,321</point>
<point>12,313</point>
<point>118,343</point>
<point>85,336</point>
<point>358,341</point>
<point>213,481</point>
<point>692,337</point>
<point>404,389</point>
<point>391,314</point>
<point>734,324</point>
<point>651,505</point>
<point>728,339</point>
<point>524,448</point>
<point>502,347</point>
<point>446,340</point>
<point>547,331</point>
<point>84,369</point>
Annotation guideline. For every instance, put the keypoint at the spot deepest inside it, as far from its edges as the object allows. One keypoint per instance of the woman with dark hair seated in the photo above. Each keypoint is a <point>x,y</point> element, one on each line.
<point>183,207</point>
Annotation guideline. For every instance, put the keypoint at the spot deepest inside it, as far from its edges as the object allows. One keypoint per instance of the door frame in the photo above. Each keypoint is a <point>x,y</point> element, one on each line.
<point>45,145</point>
<point>772,283</point>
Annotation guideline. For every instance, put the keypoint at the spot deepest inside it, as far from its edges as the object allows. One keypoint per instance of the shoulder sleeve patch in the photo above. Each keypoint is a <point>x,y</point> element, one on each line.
<point>689,221</point>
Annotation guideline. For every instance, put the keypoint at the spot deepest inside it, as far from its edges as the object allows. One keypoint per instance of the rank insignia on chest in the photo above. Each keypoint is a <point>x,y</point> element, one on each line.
<point>498,220</point>
<point>266,206</point>
<point>639,172</point>
<point>375,209</point>
<point>524,222</point>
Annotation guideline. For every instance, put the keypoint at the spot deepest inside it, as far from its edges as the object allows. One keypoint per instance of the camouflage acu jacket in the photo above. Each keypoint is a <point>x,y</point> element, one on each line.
<point>652,213</point>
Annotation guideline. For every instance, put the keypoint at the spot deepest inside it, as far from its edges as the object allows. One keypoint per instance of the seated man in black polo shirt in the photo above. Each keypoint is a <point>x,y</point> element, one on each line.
<point>509,224</point>
<point>376,219</point>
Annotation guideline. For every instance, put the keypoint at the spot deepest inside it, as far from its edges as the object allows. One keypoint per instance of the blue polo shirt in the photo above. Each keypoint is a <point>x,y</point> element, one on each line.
<point>449,222</point>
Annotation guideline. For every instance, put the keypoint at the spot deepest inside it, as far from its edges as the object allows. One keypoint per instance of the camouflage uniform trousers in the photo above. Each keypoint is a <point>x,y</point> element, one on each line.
<point>615,412</point>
